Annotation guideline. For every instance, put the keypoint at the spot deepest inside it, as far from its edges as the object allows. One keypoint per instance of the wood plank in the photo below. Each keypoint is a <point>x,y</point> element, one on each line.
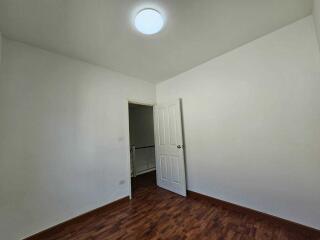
<point>155,213</point>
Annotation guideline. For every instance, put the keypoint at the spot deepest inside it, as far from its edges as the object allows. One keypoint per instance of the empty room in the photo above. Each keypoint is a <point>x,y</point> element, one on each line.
<point>159,119</point>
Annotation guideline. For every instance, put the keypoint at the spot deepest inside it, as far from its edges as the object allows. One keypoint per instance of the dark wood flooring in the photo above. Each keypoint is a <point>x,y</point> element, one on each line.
<point>155,213</point>
<point>143,181</point>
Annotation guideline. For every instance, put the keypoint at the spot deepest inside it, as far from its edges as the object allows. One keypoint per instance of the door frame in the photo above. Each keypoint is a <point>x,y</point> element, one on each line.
<point>127,135</point>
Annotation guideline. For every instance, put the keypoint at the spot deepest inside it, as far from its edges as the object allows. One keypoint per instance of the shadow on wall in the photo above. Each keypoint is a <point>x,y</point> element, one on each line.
<point>316,15</point>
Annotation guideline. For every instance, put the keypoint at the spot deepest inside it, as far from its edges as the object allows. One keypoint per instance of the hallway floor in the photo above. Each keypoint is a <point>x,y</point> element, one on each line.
<point>143,181</point>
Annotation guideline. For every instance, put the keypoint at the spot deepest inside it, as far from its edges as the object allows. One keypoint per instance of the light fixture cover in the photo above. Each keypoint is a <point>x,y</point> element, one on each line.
<point>149,21</point>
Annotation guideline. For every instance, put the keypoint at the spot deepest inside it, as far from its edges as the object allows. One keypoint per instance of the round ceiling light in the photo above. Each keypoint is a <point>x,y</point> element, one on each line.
<point>149,21</point>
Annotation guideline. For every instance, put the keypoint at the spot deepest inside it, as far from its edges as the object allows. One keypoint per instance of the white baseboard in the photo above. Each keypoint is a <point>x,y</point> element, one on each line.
<point>146,171</point>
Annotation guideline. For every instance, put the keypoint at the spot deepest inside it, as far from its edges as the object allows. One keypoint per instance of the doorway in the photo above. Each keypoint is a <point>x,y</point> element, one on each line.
<point>157,156</point>
<point>142,147</point>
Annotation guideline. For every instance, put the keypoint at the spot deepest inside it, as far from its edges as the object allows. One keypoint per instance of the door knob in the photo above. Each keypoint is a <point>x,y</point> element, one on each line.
<point>179,146</point>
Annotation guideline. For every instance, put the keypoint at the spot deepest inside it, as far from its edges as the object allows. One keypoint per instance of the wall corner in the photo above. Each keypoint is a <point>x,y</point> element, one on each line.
<point>0,47</point>
<point>316,18</point>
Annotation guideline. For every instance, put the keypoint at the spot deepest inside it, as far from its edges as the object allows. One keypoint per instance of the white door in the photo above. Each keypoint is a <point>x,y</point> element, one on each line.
<point>170,162</point>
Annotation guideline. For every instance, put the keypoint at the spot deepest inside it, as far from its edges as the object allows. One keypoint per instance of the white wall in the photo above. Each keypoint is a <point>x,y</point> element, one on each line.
<point>316,15</point>
<point>252,124</point>
<point>141,135</point>
<point>0,47</point>
<point>64,138</point>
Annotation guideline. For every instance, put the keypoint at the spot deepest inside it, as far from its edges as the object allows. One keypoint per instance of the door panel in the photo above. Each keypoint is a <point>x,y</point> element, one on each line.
<point>163,168</point>
<point>169,147</point>
<point>175,170</point>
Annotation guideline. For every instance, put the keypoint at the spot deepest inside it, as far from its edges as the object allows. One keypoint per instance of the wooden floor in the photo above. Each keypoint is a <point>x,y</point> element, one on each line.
<point>155,213</point>
<point>143,182</point>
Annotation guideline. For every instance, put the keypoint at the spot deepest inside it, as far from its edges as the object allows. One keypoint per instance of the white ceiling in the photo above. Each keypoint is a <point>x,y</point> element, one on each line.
<point>100,31</point>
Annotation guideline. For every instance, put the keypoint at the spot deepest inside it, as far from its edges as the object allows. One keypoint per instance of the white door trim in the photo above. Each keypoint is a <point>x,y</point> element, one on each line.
<point>127,135</point>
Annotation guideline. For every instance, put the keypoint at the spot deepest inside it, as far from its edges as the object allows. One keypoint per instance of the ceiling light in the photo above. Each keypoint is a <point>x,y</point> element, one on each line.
<point>149,21</point>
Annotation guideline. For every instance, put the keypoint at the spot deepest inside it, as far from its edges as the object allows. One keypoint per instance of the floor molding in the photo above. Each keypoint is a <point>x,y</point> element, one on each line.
<point>311,232</point>
<point>146,171</point>
<point>307,231</point>
<point>50,231</point>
